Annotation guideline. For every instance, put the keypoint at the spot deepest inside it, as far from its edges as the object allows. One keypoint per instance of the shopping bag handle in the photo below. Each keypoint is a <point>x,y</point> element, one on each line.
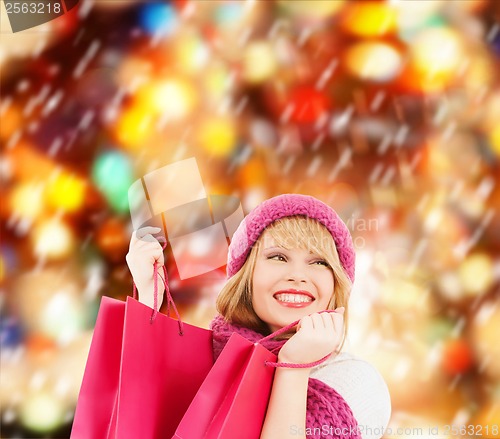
<point>170,300</point>
<point>294,365</point>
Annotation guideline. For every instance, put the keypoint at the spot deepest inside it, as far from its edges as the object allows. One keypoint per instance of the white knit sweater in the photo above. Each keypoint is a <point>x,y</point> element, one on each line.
<point>362,387</point>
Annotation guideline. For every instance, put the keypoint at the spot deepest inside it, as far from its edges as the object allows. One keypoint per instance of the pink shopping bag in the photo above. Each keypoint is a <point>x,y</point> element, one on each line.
<point>236,390</point>
<point>102,372</point>
<point>232,401</point>
<point>161,364</point>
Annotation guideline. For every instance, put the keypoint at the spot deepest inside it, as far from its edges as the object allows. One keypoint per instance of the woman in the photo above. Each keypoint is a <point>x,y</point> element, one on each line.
<point>291,258</point>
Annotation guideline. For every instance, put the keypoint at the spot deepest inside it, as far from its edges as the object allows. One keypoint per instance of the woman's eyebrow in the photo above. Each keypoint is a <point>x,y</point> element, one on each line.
<point>275,248</point>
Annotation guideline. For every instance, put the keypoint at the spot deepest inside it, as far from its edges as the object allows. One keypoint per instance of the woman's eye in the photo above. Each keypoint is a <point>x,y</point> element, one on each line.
<point>277,257</point>
<point>321,262</point>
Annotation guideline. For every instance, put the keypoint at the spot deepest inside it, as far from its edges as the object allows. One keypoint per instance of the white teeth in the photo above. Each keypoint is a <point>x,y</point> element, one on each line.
<point>293,298</point>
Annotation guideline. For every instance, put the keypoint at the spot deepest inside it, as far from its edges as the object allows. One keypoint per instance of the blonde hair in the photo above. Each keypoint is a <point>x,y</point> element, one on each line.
<point>234,301</point>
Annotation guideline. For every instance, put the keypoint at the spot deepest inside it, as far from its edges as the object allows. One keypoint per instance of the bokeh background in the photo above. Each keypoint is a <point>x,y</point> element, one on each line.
<point>387,110</point>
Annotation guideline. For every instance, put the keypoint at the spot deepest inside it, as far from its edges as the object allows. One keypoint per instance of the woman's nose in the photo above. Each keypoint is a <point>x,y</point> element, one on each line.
<point>297,280</point>
<point>296,274</point>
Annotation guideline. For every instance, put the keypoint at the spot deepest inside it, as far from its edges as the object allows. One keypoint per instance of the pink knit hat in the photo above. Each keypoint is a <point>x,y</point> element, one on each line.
<point>282,206</point>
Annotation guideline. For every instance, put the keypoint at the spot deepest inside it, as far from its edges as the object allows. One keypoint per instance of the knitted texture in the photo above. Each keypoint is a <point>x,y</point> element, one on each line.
<point>328,414</point>
<point>282,206</point>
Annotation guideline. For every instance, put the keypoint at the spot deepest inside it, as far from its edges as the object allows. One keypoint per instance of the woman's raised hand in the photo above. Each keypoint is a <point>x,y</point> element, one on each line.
<point>144,251</point>
<point>317,335</point>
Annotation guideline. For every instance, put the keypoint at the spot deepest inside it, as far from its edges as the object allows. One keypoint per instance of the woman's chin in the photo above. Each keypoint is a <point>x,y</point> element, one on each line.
<point>282,317</point>
<point>281,323</point>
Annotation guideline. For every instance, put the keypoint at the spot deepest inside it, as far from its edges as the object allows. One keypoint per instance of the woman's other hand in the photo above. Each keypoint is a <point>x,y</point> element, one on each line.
<point>317,335</point>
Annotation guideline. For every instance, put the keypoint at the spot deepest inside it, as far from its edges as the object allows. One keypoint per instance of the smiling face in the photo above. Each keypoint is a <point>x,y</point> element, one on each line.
<point>249,297</point>
<point>289,283</point>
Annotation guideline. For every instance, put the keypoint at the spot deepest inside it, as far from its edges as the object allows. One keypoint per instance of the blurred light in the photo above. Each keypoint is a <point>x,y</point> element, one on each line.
<point>2,268</point>
<point>53,239</point>
<point>33,297</point>
<point>492,110</point>
<point>413,17</point>
<point>454,157</point>
<point>488,415</point>
<point>470,7</point>
<point>437,50</point>
<point>446,229</point>
<point>28,164</point>
<point>480,73</point>
<point>400,295</point>
<point>307,104</point>
<point>369,18</point>
<point>346,201</point>
<point>408,379</point>
<point>476,273</point>
<point>158,18</point>
<point>42,412</point>
<point>66,191</point>
<point>173,99</point>
<point>438,329</point>
<point>495,43</point>
<point>216,81</point>
<point>67,368</point>
<point>450,286</point>
<point>457,356</point>
<point>392,259</point>
<point>14,378</point>
<point>253,175</point>
<point>26,200</point>
<point>263,133</point>
<point>411,13</point>
<point>94,272</point>
<point>259,62</point>
<point>253,196</point>
<point>218,136</point>
<point>63,317</point>
<point>39,345</point>
<point>484,328</point>
<point>9,260</point>
<point>340,122</point>
<point>191,52</point>
<point>229,13</point>
<point>6,170</point>
<point>433,219</point>
<point>133,72</point>
<point>494,139</point>
<point>11,333</point>
<point>95,87</point>
<point>134,127</point>
<point>112,174</point>
<point>12,120</point>
<point>113,239</point>
<point>471,205</point>
<point>373,61</point>
<point>115,4</point>
<point>311,9</point>
<point>436,55</point>
<point>364,261</point>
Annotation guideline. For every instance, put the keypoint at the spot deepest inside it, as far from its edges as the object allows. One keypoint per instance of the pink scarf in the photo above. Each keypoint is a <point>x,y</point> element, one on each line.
<point>328,414</point>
